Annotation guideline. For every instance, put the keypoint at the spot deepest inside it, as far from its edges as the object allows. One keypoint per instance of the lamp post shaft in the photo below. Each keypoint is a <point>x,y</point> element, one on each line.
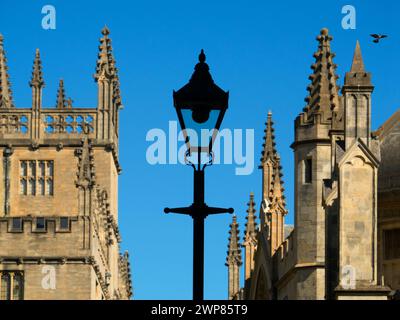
<point>198,258</point>
<point>198,236</point>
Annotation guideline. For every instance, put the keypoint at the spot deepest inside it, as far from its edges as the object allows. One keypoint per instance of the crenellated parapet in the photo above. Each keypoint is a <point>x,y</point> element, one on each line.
<point>29,232</point>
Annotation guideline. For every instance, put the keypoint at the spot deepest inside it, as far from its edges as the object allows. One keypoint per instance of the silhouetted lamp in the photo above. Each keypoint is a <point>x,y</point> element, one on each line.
<point>200,104</point>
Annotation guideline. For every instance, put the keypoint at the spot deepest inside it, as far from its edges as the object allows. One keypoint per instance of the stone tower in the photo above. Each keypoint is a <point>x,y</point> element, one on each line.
<point>312,149</point>
<point>59,198</point>
<point>234,261</point>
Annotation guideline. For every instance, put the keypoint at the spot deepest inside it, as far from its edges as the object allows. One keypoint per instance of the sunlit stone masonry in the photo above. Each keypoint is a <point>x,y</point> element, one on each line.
<point>59,236</point>
<point>345,243</point>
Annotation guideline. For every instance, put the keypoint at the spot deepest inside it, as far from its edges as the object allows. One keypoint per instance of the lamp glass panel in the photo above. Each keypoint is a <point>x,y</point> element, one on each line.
<point>200,134</point>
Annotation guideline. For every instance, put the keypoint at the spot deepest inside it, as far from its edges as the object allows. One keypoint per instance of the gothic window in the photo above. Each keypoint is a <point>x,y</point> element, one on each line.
<point>391,240</point>
<point>11,285</point>
<point>36,178</point>
<point>308,171</point>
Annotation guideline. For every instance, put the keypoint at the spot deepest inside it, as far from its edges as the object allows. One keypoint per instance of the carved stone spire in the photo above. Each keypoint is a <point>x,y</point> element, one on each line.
<point>277,208</point>
<point>116,94</point>
<point>234,251</point>
<point>234,261</point>
<point>251,225</point>
<point>358,63</point>
<point>61,101</point>
<point>357,75</point>
<point>109,95</point>
<point>250,240</point>
<point>323,91</point>
<point>86,177</point>
<point>277,191</point>
<point>268,163</point>
<point>37,75</point>
<point>6,100</point>
<point>105,66</point>
<point>269,151</point>
<point>357,92</point>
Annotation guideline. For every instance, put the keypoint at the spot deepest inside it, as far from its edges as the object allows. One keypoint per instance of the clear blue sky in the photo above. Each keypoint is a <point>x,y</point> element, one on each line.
<point>259,50</point>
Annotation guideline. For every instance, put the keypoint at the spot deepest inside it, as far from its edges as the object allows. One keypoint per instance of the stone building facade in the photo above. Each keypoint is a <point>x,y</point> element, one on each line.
<point>346,235</point>
<point>59,236</point>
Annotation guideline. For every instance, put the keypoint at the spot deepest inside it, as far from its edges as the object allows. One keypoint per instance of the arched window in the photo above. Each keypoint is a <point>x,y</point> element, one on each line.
<point>36,177</point>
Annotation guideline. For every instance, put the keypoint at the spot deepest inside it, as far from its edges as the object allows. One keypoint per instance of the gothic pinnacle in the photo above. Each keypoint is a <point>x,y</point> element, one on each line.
<point>277,191</point>
<point>323,91</point>
<point>251,224</point>
<point>269,151</point>
<point>37,75</point>
<point>105,61</point>
<point>234,254</point>
<point>357,75</point>
<point>5,85</point>
<point>61,102</point>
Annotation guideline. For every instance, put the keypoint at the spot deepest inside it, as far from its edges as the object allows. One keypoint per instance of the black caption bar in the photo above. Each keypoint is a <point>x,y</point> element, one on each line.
<point>175,310</point>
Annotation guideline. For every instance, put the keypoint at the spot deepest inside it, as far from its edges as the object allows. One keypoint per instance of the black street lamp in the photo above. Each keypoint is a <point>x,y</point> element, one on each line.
<point>200,106</point>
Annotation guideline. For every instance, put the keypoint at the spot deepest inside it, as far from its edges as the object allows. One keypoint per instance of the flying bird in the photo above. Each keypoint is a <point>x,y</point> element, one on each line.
<point>378,37</point>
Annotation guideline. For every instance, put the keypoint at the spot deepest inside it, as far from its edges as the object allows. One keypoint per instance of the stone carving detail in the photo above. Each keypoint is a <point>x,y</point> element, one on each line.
<point>86,175</point>
<point>71,124</point>
<point>125,273</point>
<point>12,123</point>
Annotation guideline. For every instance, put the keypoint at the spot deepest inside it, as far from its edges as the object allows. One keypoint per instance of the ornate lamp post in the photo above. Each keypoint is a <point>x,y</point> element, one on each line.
<point>200,106</point>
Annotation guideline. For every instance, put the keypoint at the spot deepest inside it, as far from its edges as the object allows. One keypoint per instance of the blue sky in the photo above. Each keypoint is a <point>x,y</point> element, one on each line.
<point>261,51</point>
